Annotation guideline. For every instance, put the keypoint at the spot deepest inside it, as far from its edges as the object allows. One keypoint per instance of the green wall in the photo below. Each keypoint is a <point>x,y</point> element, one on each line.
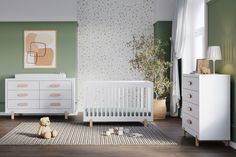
<point>222,31</point>
<point>163,31</point>
<point>12,46</point>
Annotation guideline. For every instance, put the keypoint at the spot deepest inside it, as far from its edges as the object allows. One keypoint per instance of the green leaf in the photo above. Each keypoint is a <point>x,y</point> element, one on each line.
<point>150,60</point>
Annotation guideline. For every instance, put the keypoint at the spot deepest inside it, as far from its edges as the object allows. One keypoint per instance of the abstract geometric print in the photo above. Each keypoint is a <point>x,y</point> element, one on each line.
<point>39,49</point>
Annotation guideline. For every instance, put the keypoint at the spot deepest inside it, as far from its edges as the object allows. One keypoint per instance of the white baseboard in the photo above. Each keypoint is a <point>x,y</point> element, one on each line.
<point>38,114</point>
<point>4,114</point>
<point>232,144</point>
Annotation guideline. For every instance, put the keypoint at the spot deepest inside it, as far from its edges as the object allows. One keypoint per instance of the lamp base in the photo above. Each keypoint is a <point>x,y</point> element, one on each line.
<point>213,72</point>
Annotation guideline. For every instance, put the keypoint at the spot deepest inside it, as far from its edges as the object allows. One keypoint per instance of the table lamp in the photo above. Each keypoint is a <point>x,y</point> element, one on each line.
<point>214,53</point>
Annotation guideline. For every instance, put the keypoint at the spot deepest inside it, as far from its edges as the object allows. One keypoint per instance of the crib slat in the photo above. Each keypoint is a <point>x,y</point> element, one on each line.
<point>107,102</point>
<point>138,102</point>
<point>110,103</point>
<point>142,99</point>
<point>123,102</point>
<point>146,102</point>
<point>89,104</point>
<point>113,101</point>
<point>132,102</point>
<point>92,104</point>
<point>149,102</point>
<point>118,104</point>
<point>135,101</point>
<point>86,102</point>
<point>127,102</point>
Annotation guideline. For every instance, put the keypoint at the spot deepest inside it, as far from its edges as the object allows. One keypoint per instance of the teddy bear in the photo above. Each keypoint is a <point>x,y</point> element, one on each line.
<point>44,130</point>
<point>205,70</point>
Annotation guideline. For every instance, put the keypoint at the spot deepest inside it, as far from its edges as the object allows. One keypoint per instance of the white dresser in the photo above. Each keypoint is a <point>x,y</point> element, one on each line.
<point>206,107</point>
<point>43,96</point>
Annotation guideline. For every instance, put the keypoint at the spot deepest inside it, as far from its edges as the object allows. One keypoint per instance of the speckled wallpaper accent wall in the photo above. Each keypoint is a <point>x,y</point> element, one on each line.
<point>105,27</point>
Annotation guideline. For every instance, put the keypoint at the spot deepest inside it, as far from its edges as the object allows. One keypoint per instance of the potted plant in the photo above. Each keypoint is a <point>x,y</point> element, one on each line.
<point>150,60</point>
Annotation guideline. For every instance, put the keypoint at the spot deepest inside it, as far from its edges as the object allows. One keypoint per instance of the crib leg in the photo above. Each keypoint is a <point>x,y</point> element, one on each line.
<point>145,123</point>
<point>90,123</point>
<point>12,115</point>
<point>66,115</point>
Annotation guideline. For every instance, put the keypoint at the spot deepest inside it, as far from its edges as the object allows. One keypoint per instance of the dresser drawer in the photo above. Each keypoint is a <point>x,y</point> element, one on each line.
<point>55,104</point>
<point>191,96</point>
<point>55,94</point>
<point>55,85</point>
<point>20,104</point>
<point>23,85</point>
<point>24,94</point>
<point>190,122</point>
<point>191,109</point>
<point>191,83</point>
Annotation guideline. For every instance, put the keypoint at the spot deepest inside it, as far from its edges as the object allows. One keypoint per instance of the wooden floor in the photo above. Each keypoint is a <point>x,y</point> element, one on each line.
<point>171,127</point>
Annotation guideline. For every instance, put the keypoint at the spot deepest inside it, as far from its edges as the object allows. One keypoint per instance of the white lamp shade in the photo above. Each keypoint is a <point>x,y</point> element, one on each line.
<point>214,53</point>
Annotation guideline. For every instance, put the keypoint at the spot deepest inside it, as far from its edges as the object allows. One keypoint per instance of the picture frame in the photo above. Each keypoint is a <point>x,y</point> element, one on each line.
<point>40,49</point>
<point>202,64</point>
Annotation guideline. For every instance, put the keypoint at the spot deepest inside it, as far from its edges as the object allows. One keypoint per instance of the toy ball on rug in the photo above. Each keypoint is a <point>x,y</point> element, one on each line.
<point>44,130</point>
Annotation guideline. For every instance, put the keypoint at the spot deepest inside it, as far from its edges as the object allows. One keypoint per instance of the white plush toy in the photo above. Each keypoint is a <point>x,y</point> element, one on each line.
<point>44,130</point>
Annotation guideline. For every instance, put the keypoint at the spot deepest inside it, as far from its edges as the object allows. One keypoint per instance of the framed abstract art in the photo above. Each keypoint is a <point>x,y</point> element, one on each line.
<point>39,49</point>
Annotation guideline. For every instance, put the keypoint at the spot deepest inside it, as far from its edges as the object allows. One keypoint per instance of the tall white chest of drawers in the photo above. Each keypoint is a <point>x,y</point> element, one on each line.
<point>206,107</point>
<point>42,96</point>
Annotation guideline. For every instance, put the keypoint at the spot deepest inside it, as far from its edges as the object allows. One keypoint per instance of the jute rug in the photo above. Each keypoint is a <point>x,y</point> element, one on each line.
<point>79,134</point>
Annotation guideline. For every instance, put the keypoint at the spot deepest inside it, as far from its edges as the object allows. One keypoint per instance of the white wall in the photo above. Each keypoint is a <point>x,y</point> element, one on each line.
<point>38,10</point>
<point>164,10</point>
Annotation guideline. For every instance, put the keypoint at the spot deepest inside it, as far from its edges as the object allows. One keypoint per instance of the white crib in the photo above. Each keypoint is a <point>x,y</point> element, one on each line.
<point>118,101</point>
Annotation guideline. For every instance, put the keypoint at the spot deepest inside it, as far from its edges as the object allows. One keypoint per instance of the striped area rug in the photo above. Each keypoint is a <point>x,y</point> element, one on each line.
<point>79,134</point>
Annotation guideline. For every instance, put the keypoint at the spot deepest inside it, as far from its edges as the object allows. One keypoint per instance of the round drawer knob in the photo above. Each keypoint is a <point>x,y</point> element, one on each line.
<point>190,83</point>
<point>190,108</point>
<point>189,121</point>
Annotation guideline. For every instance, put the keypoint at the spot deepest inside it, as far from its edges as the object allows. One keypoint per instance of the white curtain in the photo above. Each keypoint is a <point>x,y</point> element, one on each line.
<point>195,46</point>
<point>178,43</point>
<point>189,42</point>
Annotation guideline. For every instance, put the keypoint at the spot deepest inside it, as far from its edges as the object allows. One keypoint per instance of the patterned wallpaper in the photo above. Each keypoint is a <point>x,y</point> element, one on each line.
<point>105,26</point>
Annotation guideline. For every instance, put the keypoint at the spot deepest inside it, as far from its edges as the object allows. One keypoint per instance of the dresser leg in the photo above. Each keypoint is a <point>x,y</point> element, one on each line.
<point>226,143</point>
<point>196,142</point>
<point>12,115</point>
<point>66,114</point>
<point>90,123</point>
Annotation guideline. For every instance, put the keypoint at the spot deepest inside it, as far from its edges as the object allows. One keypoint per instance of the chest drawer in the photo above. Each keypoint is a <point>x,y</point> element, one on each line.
<point>23,85</point>
<point>23,104</point>
<point>191,109</point>
<point>55,94</point>
<point>190,122</point>
<point>55,85</point>
<point>23,94</point>
<point>56,104</point>
<point>191,83</point>
<point>191,96</point>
